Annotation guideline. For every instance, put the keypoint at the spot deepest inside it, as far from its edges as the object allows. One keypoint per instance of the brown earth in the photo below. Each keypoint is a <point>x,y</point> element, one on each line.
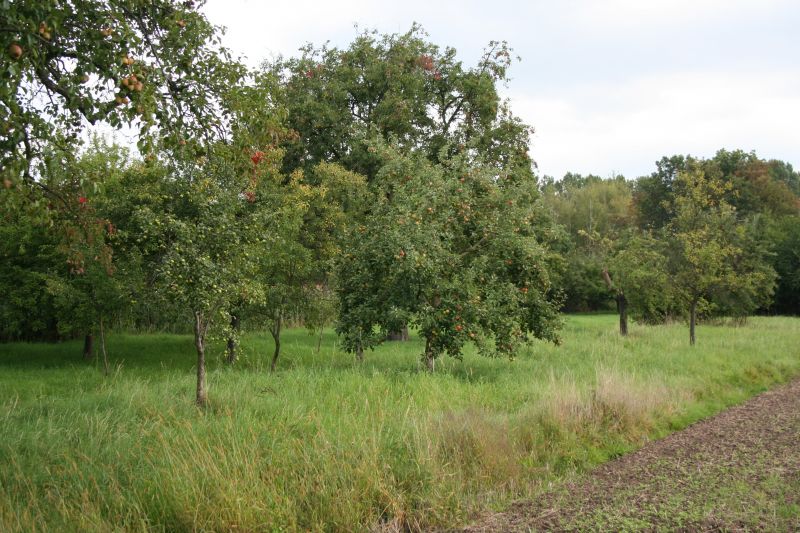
<point>737,471</point>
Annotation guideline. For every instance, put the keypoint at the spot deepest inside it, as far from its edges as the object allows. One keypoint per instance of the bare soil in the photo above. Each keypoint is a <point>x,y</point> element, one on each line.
<point>737,471</point>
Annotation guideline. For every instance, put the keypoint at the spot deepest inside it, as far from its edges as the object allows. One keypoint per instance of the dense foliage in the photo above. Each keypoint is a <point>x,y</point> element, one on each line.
<point>453,249</point>
<point>749,210</point>
<point>378,186</point>
<point>156,66</point>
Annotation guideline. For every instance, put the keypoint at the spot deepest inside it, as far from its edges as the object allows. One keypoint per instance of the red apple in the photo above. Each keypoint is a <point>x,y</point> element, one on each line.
<point>15,51</point>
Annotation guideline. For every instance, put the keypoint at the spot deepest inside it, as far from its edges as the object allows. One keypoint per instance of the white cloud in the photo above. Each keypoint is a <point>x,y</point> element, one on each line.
<point>624,129</point>
<point>617,15</point>
<point>610,85</point>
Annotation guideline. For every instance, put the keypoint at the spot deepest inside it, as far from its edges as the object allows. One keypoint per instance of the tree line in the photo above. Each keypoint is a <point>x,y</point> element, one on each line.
<point>709,237</point>
<point>374,187</point>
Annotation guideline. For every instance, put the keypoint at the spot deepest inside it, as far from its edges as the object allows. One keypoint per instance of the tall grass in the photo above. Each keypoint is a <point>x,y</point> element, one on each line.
<point>324,444</point>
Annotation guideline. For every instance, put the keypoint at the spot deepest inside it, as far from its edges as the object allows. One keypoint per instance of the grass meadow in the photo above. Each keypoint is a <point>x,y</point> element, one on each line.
<point>325,444</point>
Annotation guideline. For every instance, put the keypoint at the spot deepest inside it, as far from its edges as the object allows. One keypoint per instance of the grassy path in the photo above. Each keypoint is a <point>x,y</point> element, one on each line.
<point>737,471</point>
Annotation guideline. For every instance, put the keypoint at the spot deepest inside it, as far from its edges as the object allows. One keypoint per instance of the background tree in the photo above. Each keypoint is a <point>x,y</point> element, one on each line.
<point>785,239</point>
<point>653,195</point>
<point>636,274</point>
<point>28,251</point>
<point>405,87</point>
<point>74,280</point>
<point>594,214</point>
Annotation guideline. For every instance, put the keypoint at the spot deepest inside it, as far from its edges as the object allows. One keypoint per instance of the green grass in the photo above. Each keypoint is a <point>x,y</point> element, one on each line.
<point>324,444</point>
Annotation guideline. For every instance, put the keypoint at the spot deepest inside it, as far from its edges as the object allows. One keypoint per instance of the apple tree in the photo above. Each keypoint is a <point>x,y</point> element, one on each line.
<point>75,284</point>
<point>401,86</point>
<point>156,66</point>
<point>301,240</point>
<point>452,249</point>
<point>200,227</point>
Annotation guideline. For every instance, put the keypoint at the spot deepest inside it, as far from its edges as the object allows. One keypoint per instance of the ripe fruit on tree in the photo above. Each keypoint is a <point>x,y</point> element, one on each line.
<point>426,62</point>
<point>256,157</point>
<point>15,51</point>
<point>44,31</point>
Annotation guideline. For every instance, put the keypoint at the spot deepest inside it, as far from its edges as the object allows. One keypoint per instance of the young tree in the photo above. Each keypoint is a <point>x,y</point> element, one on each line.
<point>707,252</point>
<point>301,242</point>
<point>208,229</point>
<point>199,225</point>
<point>636,275</point>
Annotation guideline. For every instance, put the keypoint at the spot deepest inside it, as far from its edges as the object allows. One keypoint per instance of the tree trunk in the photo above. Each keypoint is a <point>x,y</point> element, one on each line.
<point>232,341</point>
<point>359,354</point>
<point>622,303</point>
<point>276,335</point>
<point>199,344</point>
<point>398,335</point>
<point>319,340</point>
<point>103,346</point>
<point>428,358</point>
<point>622,307</point>
<point>692,321</point>
<point>88,346</point>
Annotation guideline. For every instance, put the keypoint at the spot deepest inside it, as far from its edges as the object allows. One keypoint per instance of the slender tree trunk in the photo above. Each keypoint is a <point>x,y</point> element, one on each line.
<point>428,358</point>
<point>359,354</point>
<point>276,335</point>
<point>622,307</point>
<point>692,321</point>
<point>622,303</point>
<point>232,355</point>
<point>103,346</point>
<point>88,346</point>
<point>398,335</point>
<point>319,340</point>
<point>199,344</point>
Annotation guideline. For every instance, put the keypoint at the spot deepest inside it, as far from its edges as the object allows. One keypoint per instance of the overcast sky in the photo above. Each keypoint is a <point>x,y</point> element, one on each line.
<point>609,85</point>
